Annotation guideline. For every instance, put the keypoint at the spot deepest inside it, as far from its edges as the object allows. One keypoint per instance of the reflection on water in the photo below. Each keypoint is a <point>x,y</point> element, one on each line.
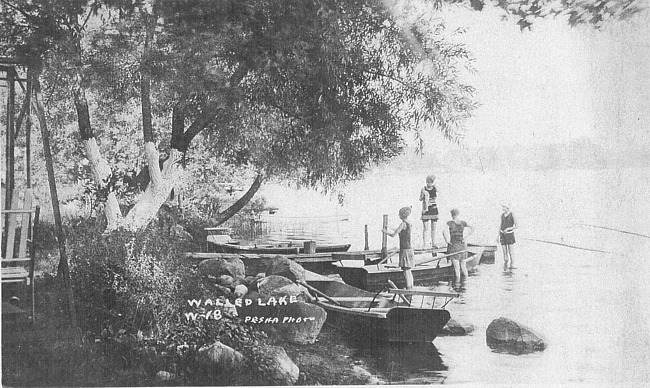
<point>404,363</point>
<point>459,285</point>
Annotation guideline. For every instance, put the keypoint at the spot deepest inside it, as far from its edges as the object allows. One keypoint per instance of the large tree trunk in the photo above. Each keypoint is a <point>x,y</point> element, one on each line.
<point>160,186</point>
<point>101,173</point>
<point>240,203</point>
<point>99,166</point>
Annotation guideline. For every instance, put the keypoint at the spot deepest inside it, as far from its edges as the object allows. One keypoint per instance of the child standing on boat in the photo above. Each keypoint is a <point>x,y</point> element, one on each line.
<point>429,197</point>
<point>406,255</point>
<point>507,235</point>
<point>455,237</point>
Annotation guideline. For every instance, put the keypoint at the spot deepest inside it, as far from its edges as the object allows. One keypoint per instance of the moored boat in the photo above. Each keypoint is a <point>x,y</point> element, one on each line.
<point>218,240</point>
<point>375,277</point>
<point>381,317</point>
<point>273,249</point>
<point>488,252</point>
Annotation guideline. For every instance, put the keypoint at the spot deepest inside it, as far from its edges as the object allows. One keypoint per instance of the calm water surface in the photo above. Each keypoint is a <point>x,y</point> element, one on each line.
<point>591,307</point>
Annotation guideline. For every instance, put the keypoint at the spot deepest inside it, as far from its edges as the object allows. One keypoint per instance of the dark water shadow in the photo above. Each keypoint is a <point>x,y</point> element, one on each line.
<point>399,363</point>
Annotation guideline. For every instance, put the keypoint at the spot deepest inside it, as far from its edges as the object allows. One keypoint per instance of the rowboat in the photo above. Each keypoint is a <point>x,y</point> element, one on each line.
<point>488,252</point>
<point>273,249</point>
<point>218,240</point>
<point>381,317</point>
<point>427,270</point>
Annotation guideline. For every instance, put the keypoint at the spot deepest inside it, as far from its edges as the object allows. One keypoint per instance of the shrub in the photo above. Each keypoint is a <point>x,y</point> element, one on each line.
<point>131,292</point>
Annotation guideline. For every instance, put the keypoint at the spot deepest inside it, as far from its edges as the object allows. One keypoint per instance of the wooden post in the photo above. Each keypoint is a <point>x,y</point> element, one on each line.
<point>10,144</point>
<point>310,247</point>
<point>366,247</point>
<point>384,238</point>
<point>63,269</point>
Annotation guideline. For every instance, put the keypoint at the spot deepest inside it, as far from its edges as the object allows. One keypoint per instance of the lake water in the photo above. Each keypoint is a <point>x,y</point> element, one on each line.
<point>591,305</point>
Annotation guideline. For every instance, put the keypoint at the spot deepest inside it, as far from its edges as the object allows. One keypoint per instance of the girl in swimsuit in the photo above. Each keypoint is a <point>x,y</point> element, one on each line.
<point>507,236</point>
<point>429,198</point>
<point>455,237</point>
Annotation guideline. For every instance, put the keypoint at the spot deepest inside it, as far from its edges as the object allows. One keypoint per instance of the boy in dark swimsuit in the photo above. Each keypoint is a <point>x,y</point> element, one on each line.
<point>406,254</point>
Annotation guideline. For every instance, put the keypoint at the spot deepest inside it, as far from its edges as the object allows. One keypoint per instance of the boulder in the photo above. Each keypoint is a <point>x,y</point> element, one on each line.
<point>365,376</point>
<point>225,280</point>
<point>273,282</point>
<point>240,290</point>
<point>164,376</point>
<point>282,371</point>
<point>216,267</point>
<point>179,232</point>
<point>222,357</point>
<point>299,323</point>
<point>505,335</point>
<point>284,267</point>
<point>288,290</point>
<point>456,328</point>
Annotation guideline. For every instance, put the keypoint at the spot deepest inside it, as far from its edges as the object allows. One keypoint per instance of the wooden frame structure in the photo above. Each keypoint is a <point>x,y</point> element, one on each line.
<point>18,264</point>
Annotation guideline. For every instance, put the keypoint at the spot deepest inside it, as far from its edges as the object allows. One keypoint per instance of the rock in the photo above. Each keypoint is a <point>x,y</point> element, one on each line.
<point>241,290</point>
<point>164,376</point>
<point>455,328</point>
<point>298,331</point>
<point>283,321</point>
<point>284,267</point>
<point>216,267</point>
<point>223,357</point>
<point>505,335</point>
<point>271,283</point>
<point>282,371</point>
<point>180,232</point>
<point>365,376</point>
<point>288,290</point>
<point>225,280</point>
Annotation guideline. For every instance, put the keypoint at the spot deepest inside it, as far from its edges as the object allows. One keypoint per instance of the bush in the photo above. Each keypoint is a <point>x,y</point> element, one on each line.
<point>131,293</point>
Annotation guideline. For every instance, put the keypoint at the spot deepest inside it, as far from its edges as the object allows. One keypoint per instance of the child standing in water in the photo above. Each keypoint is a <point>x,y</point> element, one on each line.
<point>455,237</point>
<point>507,236</point>
<point>429,198</point>
<point>406,256</point>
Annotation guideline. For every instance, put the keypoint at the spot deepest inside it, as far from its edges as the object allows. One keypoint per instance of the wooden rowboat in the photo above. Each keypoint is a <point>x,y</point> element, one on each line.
<point>488,252</point>
<point>375,277</point>
<point>379,317</point>
<point>270,249</point>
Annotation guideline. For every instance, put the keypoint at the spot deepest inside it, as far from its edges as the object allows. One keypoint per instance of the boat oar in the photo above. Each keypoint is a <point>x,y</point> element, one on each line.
<point>318,292</point>
<point>385,259</point>
<point>438,257</point>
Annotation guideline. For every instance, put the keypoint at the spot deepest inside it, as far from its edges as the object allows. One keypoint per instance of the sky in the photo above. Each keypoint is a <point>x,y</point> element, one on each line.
<point>556,83</point>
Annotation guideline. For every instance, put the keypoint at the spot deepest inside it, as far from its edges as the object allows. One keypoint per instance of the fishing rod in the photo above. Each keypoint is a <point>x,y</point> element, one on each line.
<point>564,245</point>
<point>618,230</point>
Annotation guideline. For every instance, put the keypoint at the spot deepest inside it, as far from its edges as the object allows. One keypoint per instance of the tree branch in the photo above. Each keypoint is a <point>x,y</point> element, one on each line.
<point>241,202</point>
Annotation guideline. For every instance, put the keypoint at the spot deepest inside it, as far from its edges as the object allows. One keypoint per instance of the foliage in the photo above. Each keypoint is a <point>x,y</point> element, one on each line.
<point>576,12</point>
<point>308,92</point>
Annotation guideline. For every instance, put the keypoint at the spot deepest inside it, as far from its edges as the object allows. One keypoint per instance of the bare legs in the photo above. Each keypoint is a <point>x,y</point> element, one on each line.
<point>508,256</point>
<point>425,228</point>
<point>408,275</point>
<point>460,267</point>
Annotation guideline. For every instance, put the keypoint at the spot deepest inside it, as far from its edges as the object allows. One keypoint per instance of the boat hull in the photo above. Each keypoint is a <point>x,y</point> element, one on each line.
<point>376,277</point>
<point>489,252</point>
<point>397,324</point>
<point>273,250</point>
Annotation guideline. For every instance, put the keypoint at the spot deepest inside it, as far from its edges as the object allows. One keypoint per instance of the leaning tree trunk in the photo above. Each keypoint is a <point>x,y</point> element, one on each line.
<point>240,203</point>
<point>160,186</point>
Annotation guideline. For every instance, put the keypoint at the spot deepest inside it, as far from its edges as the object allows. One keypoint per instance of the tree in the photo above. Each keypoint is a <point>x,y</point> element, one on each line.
<point>312,92</point>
